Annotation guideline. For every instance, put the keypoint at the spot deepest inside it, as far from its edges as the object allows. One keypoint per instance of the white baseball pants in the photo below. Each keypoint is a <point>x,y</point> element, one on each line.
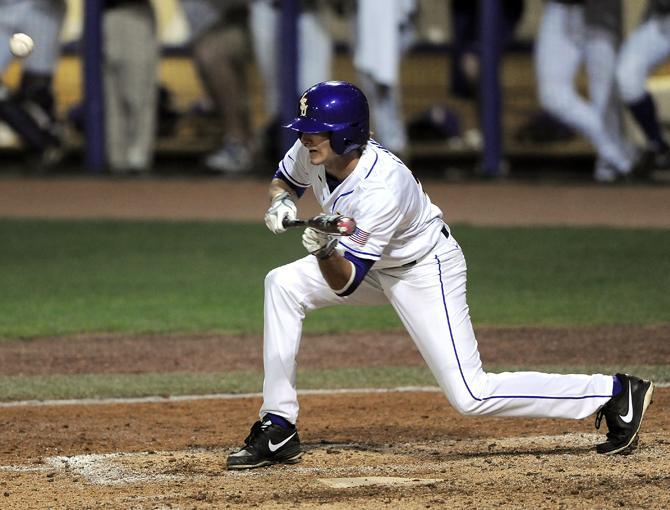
<point>430,299</point>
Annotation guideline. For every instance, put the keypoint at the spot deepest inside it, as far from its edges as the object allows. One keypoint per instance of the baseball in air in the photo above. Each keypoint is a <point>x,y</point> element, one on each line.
<point>21,45</point>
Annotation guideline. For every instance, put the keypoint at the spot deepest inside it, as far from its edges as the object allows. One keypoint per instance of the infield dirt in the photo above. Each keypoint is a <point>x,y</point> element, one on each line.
<point>395,450</point>
<point>391,450</point>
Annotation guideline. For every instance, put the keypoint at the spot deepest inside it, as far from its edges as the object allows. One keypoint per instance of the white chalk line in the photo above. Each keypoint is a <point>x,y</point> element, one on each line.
<point>212,396</point>
<point>101,469</point>
<point>156,399</point>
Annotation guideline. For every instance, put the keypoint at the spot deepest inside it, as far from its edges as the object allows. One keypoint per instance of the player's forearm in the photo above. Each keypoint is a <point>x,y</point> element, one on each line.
<point>337,271</point>
<point>277,186</point>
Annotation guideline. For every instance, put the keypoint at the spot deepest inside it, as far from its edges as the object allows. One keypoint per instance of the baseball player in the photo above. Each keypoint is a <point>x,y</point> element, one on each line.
<point>404,254</point>
<point>572,32</point>
<point>30,111</point>
<point>644,49</point>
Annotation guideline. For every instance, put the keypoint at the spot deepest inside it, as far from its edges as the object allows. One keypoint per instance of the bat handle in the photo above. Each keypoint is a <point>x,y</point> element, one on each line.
<point>292,223</point>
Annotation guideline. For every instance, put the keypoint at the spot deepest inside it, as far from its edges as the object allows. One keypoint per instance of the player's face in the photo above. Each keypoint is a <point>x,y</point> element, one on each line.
<point>318,144</point>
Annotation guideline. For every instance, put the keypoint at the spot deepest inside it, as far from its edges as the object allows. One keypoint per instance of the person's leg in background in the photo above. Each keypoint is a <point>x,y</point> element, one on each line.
<point>222,57</point>
<point>220,46</point>
<point>315,46</point>
<point>562,32</point>
<point>315,55</point>
<point>131,86</point>
<point>380,42</point>
<point>645,48</point>
<point>603,36</point>
<point>115,119</point>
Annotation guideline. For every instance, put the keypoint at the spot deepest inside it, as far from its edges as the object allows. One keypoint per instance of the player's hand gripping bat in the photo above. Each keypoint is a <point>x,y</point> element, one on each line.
<point>334,224</point>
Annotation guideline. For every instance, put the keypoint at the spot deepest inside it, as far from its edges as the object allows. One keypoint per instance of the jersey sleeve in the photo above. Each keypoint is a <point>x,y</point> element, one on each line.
<point>292,170</point>
<point>360,268</point>
<point>377,219</point>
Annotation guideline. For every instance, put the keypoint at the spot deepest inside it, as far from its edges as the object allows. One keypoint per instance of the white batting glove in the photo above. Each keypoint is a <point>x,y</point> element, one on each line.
<point>282,206</point>
<point>318,244</point>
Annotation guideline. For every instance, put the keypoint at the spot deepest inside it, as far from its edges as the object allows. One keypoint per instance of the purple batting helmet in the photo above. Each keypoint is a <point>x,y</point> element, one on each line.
<point>337,107</point>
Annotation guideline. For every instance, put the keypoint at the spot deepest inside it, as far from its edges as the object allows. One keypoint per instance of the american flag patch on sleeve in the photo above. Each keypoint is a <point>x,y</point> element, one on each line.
<point>360,236</point>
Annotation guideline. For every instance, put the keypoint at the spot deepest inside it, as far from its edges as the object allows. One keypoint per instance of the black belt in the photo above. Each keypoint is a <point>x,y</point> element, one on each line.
<point>445,233</point>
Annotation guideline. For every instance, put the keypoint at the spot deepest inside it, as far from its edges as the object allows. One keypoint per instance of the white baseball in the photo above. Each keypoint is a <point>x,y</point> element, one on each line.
<point>21,45</point>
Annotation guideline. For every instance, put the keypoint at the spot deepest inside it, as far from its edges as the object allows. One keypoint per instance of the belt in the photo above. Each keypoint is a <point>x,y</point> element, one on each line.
<point>445,233</point>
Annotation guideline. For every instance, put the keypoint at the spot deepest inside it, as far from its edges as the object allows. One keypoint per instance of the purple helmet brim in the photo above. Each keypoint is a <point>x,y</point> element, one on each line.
<point>307,125</point>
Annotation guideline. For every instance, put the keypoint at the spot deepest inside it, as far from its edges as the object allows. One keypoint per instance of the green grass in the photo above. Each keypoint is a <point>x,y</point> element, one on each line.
<point>59,277</point>
<point>140,385</point>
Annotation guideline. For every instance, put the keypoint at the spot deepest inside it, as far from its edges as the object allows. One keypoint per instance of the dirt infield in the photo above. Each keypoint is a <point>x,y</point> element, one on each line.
<point>363,450</point>
<point>395,450</point>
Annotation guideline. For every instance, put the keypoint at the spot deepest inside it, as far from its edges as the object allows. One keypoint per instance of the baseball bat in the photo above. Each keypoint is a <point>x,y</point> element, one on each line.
<point>326,223</point>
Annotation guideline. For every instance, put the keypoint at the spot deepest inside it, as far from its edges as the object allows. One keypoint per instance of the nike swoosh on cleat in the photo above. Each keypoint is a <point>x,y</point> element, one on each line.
<point>275,447</point>
<point>629,415</point>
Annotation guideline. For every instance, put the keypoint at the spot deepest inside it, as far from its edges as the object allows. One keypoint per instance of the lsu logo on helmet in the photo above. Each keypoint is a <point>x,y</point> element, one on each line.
<point>303,105</point>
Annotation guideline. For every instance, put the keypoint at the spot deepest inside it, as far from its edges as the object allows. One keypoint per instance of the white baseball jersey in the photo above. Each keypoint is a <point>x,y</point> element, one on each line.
<point>420,270</point>
<point>396,221</point>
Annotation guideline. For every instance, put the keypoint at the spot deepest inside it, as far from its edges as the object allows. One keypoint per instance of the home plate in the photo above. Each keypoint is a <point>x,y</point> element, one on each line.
<point>362,481</point>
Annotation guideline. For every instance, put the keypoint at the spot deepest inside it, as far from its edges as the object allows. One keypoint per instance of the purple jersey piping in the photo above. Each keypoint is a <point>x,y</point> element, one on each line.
<point>350,192</point>
<point>373,165</point>
<point>341,196</point>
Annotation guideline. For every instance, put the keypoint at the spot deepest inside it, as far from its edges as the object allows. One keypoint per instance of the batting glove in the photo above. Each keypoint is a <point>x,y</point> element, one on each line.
<point>318,244</point>
<point>282,206</point>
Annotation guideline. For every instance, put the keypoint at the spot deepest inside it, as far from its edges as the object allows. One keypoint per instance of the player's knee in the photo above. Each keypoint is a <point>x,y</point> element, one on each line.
<point>275,279</point>
<point>281,279</point>
<point>630,83</point>
<point>554,100</point>
<point>466,405</point>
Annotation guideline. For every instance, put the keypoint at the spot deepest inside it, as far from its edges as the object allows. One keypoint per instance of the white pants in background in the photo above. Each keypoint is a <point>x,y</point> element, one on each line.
<point>564,42</point>
<point>130,72</point>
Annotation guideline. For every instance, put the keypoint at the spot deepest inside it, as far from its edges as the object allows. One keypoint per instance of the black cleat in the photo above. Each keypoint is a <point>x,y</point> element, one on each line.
<point>267,444</point>
<point>624,413</point>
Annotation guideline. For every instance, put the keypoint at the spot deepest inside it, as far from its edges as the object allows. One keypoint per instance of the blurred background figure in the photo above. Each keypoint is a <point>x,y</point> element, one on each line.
<point>384,31</point>
<point>315,56</point>
<point>130,74</point>
<point>573,32</point>
<point>465,67</point>
<point>442,121</point>
<point>643,50</point>
<point>30,110</point>
<point>221,49</point>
